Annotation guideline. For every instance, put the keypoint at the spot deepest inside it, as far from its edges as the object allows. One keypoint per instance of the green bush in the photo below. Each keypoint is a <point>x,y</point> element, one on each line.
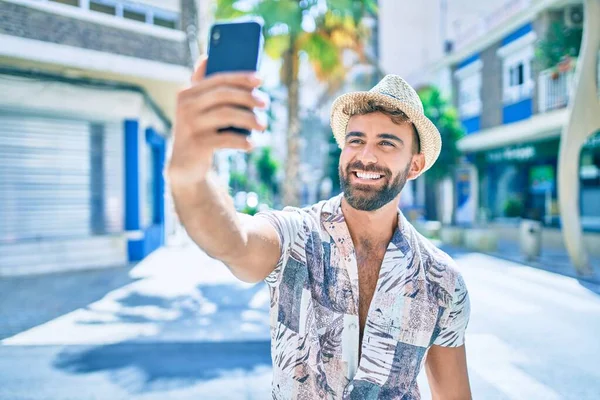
<point>560,41</point>
<point>513,208</point>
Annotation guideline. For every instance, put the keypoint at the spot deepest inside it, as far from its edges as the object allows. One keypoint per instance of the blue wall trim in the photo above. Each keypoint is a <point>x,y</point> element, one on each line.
<point>132,184</point>
<point>472,124</point>
<point>152,237</point>
<point>154,234</point>
<point>468,61</point>
<point>522,31</point>
<point>154,139</point>
<point>157,142</point>
<point>135,250</point>
<point>517,111</point>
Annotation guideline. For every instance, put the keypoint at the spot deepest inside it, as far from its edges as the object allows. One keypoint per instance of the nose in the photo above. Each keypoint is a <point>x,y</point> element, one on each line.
<point>366,155</point>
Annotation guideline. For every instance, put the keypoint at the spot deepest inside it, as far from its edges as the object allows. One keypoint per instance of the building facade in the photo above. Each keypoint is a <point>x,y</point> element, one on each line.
<point>88,99</point>
<point>513,107</point>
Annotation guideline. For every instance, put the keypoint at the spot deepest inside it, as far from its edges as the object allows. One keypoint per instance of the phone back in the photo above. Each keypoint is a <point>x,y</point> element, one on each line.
<point>234,46</point>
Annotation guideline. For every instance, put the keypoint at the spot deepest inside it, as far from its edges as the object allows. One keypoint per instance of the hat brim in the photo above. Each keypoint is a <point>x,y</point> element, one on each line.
<point>429,136</point>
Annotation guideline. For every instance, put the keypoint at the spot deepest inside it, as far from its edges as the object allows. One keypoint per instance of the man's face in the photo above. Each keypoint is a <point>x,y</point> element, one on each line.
<point>377,160</point>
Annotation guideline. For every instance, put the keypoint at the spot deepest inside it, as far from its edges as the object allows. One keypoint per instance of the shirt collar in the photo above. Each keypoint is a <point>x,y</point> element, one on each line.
<point>332,219</point>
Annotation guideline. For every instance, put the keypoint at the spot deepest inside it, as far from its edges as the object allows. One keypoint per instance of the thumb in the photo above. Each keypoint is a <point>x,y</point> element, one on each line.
<point>199,69</point>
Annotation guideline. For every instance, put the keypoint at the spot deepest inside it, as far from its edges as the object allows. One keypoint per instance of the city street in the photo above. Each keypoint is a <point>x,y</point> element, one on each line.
<point>479,120</point>
<point>184,328</point>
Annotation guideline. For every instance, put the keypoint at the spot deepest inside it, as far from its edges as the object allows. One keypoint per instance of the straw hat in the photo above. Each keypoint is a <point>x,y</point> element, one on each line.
<point>394,92</point>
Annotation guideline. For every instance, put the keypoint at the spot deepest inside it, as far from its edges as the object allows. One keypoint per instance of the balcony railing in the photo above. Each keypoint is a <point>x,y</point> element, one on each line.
<point>554,89</point>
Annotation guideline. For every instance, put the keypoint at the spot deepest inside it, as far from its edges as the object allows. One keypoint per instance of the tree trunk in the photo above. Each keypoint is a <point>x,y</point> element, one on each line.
<point>291,185</point>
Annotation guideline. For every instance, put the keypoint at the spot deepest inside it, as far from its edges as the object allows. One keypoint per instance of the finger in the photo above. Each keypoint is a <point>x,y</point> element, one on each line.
<point>244,80</point>
<point>223,117</point>
<point>199,69</point>
<point>225,96</point>
<point>229,140</point>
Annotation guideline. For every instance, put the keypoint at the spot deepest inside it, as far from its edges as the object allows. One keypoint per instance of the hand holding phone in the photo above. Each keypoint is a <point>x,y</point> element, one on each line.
<point>219,104</point>
<point>209,104</point>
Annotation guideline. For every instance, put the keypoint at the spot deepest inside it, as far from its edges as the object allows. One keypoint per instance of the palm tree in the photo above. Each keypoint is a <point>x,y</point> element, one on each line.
<point>324,31</point>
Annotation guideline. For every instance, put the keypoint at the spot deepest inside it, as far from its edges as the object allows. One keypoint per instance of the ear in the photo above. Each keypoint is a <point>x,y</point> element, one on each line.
<point>417,164</point>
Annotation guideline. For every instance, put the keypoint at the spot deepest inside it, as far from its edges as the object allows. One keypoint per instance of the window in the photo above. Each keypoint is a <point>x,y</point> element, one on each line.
<point>469,90</point>
<point>517,76</point>
<point>134,15</point>
<point>469,102</point>
<point>74,3</point>
<point>165,22</point>
<point>128,9</point>
<point>518,84</point>
<point>103,8</point>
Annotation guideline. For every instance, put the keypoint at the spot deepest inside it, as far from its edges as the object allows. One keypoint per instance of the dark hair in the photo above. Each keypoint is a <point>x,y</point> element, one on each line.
<point>398,117</point>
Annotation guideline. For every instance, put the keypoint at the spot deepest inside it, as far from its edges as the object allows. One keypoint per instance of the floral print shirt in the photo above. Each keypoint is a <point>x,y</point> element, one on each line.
<point>420,300</point>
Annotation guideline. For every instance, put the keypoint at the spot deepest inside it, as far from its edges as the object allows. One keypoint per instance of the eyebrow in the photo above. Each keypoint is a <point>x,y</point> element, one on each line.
<point>388,136</point>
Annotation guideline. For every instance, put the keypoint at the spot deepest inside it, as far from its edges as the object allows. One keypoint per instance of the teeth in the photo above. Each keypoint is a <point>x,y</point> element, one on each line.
<point>362,175</point>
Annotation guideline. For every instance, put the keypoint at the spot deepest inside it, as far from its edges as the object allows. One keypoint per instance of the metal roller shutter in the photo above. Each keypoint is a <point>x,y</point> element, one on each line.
<point>61,193</point>
<point>44,178</point>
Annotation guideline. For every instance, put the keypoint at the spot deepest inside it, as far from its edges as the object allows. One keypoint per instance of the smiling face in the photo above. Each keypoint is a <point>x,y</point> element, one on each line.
<point>379,156</point>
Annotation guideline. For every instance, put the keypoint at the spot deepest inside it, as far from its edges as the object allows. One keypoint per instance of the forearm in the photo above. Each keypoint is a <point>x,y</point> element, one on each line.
<point>207,212</point>
<point>447,373</point>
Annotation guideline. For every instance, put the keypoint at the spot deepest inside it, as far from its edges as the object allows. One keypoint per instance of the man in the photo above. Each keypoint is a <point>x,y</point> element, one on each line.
<point>359,300</point>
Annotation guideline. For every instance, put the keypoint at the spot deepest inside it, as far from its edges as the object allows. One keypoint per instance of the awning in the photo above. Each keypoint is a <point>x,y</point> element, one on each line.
<point>538,127</point>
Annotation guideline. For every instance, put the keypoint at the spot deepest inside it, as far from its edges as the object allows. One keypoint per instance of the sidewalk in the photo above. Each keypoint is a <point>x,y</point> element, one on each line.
<point>552,260</point>
<point>180,326</point>
<point>174,295</point>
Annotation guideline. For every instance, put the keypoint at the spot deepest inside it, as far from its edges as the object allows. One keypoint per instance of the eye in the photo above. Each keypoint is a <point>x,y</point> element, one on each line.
<point>386,143</point>
<point>355,141</point>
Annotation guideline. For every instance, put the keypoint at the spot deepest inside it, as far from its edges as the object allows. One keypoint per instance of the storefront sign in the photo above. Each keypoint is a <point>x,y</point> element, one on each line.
<point>522,153</point>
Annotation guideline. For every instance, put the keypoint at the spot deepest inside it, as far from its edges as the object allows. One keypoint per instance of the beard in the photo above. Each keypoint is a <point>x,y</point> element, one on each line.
<point>370,197</point>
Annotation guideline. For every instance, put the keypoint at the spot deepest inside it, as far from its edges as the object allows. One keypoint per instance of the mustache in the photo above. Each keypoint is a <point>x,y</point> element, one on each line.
<point>368,168</point>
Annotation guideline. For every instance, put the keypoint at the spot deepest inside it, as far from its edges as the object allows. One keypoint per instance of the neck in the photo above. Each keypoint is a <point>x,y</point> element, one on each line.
<point>375,226</point>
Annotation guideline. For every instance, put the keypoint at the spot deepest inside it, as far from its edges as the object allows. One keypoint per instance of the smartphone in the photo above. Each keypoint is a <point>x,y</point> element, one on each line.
<point>235,46</point>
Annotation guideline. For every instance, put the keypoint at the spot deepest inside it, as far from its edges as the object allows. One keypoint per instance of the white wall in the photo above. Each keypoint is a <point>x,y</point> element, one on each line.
<point>409,35</point>
<point>77,101</point>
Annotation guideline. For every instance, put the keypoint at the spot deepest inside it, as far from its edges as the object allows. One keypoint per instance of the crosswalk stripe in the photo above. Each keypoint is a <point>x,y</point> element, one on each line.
<point>488,298</point>
<point>525,289</point>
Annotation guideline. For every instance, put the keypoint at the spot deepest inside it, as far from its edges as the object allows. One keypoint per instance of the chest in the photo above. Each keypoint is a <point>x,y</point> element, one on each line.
<point>368,262</point>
